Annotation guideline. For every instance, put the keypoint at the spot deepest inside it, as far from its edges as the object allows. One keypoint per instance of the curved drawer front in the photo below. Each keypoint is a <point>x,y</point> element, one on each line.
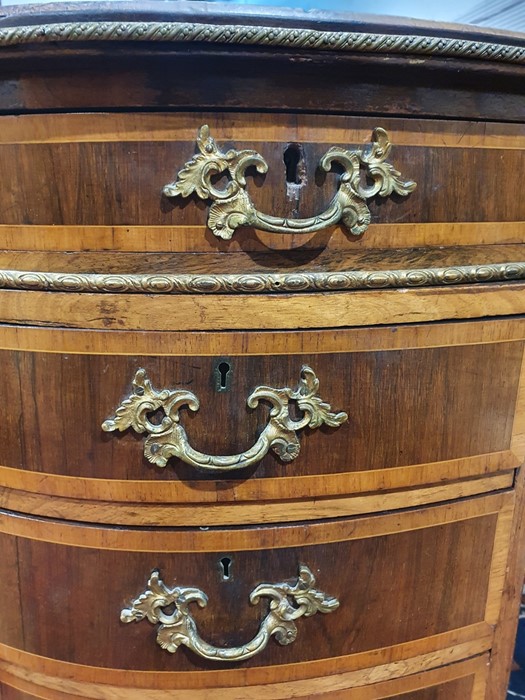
<point>460,681</point>
<point>415,415</point>
<point>412,584</point>
<point>139,154</point>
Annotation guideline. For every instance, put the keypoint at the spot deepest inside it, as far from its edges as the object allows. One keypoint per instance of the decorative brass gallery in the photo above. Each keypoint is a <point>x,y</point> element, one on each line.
<point>168,438</point>
<point>287,604</point>
<point>232,207</point>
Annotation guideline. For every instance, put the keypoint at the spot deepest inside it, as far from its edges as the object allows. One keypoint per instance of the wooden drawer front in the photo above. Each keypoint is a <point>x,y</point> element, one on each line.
<point>416,416</point>
<point>407,407</point>
<point>139,154</point>
<point>409,584</point>
<point>459,681</point>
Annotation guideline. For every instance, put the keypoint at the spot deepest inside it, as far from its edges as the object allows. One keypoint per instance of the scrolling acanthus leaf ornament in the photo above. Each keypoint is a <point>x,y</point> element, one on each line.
<point>168,438</point>
<point>178,627</point>
<point>232,207</point>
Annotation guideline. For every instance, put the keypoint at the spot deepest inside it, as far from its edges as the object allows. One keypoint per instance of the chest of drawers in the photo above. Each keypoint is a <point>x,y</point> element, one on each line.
<point>261,295</point>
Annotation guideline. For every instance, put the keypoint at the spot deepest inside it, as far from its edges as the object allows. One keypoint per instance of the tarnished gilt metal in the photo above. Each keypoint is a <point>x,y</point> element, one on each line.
<point>232,206</point>
<point>287,604</point>
<point>260,282</point>
<point>271,36</point>
<point>168,438</point>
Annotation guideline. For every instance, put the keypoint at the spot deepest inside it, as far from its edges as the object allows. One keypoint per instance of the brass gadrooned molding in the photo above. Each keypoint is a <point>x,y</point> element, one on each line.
<point>178,627</point>
<point>232,206</point>
<point>169,439</point>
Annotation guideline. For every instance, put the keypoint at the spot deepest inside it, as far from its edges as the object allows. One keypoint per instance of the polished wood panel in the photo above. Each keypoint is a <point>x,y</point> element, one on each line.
<point>507,620</point>
<point>412,512</point>
<point>442,391</point>
<point>454,690</point>
<point>7,692</point>
<point>497,468</point>
<point>456,556</point>
<point>230,512</point>
<point>386,337</point>
<point>466,676</point>
<point>518,429</point>
<point>372,269</point>
<point>199,238</point>
<point>401,660</point>
<point>71,191</point>
<point>256,127</point>
<point>460,689</point>
<point>212,539</point>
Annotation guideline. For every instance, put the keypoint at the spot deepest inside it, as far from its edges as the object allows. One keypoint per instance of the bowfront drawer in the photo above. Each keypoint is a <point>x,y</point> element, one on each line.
<point>250,437</point>
<point>345,595</point>
<point>453,164</point>
<point>459,681</point>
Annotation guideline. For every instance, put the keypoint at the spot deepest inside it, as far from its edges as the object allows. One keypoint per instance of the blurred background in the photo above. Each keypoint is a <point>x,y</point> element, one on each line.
<point>502,14</point>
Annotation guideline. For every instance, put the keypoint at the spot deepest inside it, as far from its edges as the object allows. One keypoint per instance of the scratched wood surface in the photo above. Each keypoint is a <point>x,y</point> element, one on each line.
<point>456,681</point>
<point>459,552</point>
<point>97,177</point>
<point>411,513</point>
<point>468,426</point>
<point>136,74</point>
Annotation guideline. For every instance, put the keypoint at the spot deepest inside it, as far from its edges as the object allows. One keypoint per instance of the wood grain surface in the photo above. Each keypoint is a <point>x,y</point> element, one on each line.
<point>459,678</point>
<point>176,238</point>
<point>100,78</point>
<point>411,513</point>
<point>217,343</point>
<point>256,127</point>
<point>455,183</point>
<point>456,550</point>
<point>448,397</point>
<point>261,311</point>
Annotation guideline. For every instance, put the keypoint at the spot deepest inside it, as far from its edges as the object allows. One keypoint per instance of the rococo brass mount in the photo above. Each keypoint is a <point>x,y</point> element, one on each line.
<point>232,206</point>
<point>287,603</point>
<point>168,438</point>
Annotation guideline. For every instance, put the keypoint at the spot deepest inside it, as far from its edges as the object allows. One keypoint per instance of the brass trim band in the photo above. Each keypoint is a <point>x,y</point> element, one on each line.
<point>285,37</point>
<point>259,282</point>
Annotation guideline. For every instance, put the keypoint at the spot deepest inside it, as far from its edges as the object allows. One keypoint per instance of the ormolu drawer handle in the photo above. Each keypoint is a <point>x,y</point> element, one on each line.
<point>232,206</point>
<point>287,604</point>
<point>168,438</point>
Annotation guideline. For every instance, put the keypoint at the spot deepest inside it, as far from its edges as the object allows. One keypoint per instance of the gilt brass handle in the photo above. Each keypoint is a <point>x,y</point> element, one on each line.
<point>287,603</point>
<point>168,438</point>
<point>232,207</point>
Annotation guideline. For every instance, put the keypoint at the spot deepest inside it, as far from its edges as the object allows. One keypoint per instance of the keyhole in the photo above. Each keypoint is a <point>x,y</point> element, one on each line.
<point>225,567</point>
<point>292,157</point>
<point>223,375</point>
<point>224,368</point>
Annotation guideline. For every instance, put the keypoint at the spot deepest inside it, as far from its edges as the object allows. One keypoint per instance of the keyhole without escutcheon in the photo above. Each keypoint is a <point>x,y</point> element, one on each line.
<point>223,374</point>
<point>225,565</point>
<point>294,164</point>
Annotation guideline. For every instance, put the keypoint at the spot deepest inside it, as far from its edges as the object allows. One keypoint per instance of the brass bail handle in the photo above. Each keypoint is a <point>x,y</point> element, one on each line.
<point>169,439</point>
<point>232,206</point>
<point>178,627</point>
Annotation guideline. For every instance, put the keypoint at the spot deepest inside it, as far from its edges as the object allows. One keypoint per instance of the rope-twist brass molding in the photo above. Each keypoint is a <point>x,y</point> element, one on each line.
<point>168,438</point>
<point>285,37</point>
<point>232,206</point>
<point>287,604</point>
